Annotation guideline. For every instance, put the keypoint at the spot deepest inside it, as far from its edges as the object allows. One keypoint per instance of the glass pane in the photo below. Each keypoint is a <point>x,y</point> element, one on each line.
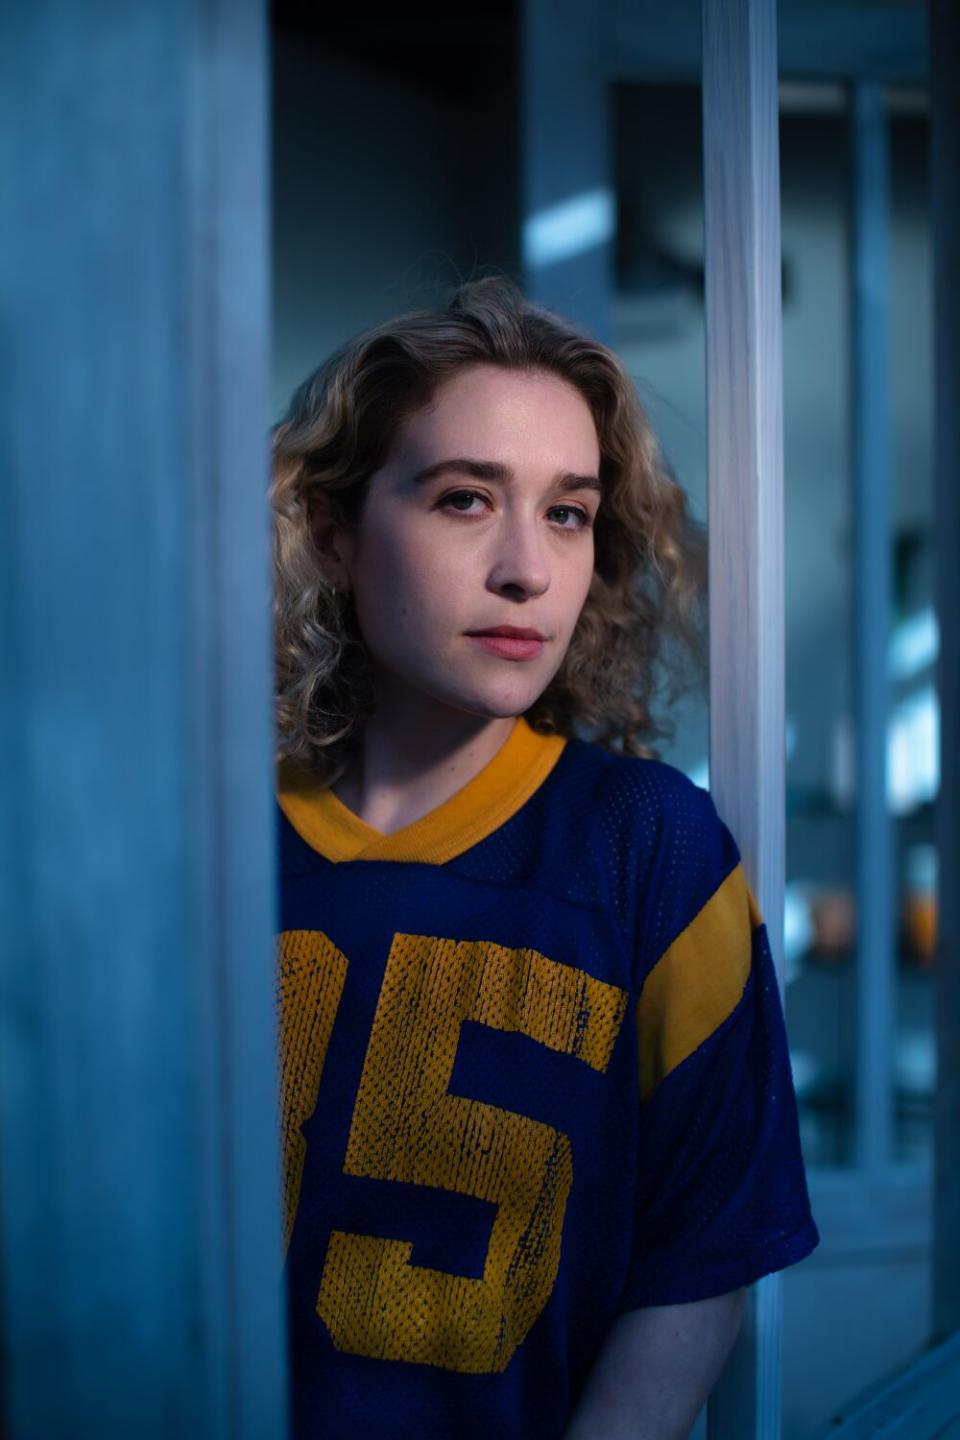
<point>821,857</point>
<point>860,1311</point>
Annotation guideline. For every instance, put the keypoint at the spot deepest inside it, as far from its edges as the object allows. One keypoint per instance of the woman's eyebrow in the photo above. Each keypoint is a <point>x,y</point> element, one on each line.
<point>496,470</point>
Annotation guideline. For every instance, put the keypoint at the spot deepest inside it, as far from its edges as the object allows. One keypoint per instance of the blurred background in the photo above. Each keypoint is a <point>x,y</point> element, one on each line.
<point>562,144</point>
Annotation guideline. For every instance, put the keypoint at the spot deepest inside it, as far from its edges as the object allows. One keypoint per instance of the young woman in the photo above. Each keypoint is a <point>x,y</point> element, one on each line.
<point>539,1129</point>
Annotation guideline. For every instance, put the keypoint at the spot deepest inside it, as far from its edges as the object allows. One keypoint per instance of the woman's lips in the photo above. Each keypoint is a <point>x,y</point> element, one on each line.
<point>509,647</point>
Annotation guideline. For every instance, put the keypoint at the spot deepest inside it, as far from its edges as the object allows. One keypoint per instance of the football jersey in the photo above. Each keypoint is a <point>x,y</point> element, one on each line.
<point>534,1073</point>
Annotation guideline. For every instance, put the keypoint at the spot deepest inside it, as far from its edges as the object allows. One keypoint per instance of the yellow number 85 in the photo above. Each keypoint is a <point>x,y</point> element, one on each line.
<point>407,1126</point>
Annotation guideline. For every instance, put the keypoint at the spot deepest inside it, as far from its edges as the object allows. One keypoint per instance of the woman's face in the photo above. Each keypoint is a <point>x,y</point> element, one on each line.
<point>481,517</point>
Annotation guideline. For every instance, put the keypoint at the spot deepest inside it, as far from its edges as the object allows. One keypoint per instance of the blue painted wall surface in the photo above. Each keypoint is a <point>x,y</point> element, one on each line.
<point>139,1204</point>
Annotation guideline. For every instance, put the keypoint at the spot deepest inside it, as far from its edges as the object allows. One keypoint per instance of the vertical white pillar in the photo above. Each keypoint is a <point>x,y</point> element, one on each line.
<point>139,1197</point>
<point>568,206</point>
<point>945,135</point>
<point>872,585</point>
<point>745,517</point>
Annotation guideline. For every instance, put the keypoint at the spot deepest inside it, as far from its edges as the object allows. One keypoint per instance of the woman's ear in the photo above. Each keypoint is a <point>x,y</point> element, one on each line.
<point>332,544</point>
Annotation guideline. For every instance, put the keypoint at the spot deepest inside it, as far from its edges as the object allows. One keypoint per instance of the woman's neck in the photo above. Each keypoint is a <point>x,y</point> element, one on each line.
<point>399,774</point>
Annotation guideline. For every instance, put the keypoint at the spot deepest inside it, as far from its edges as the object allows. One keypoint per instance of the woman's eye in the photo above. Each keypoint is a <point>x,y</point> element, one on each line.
<point>461,495</point>
<point>583,519</point>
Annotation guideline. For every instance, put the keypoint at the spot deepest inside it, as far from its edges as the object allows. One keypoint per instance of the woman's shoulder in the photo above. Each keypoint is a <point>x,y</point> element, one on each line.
<point>637,823</point>
<point>641,788</point>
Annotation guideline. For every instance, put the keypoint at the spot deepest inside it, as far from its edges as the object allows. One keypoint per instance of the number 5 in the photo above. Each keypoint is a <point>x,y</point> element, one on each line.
<point>407,1126</point>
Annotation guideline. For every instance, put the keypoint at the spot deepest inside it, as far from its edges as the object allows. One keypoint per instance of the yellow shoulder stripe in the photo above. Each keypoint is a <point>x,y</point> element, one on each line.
<point>697,982</point>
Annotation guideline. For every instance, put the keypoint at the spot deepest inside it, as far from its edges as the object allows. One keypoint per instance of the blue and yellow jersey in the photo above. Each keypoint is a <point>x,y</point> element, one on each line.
<point>534,1074</point>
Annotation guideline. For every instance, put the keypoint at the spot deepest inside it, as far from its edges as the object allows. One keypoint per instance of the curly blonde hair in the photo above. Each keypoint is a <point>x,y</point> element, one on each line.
<point>643,625</point>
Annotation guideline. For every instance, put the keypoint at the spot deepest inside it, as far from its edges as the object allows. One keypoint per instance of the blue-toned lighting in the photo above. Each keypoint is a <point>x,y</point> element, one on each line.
<point>700,775</point>
<point>578,224</point>
<point>913,751</point>
<point>914,645</point>
<point>798,929</point>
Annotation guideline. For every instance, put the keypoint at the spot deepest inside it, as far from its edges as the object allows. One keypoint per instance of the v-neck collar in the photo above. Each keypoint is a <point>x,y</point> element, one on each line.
<point>474,811</point>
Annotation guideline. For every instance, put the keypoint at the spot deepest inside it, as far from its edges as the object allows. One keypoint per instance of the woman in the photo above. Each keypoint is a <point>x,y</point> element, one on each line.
<point>539,1128</point>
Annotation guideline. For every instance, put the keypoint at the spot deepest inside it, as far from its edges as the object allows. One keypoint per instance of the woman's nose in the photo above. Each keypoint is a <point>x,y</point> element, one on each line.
<point>520,558</point>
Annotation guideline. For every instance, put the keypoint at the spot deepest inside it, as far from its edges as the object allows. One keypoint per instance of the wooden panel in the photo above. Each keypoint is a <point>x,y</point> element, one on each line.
<point>745,516</point>
<point>139,1194</point>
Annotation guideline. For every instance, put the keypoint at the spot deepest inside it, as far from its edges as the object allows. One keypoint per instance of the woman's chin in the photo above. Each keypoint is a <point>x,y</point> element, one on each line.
<point>501,703</point>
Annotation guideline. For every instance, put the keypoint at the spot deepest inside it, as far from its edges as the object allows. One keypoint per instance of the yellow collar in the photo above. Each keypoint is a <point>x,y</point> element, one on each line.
<point>481,806</point>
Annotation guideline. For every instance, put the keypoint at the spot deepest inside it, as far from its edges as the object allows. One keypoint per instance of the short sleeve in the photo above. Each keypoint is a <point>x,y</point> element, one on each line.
<point>722,1195</point>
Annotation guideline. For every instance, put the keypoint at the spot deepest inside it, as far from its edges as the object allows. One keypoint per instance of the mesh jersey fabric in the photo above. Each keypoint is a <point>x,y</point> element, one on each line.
<point>534,1073</point>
